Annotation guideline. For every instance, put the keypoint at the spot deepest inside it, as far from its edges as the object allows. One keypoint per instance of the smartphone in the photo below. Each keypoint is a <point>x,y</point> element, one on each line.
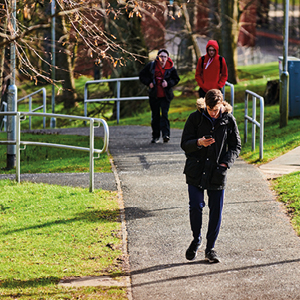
<point>208,136</point>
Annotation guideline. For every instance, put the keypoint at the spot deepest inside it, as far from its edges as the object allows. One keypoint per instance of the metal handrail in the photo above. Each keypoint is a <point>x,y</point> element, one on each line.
<point>43,90</point>
<point>254,122</point>
<point>91,149</point>
<point>117,99</point>
<point>231,94</point>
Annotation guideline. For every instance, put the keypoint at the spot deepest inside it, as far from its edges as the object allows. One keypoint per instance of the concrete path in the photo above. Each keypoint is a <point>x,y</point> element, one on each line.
<point>260,252</point>
<point>285,164</point>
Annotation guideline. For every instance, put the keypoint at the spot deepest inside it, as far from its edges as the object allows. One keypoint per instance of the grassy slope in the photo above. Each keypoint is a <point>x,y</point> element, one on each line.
<point>49,232</point>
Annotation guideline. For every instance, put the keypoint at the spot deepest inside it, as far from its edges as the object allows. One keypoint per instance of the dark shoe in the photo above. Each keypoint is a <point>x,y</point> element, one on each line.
<point>166,139</point>
<point>211,256</point>
<point>155,141</point>
<point>191,252</point>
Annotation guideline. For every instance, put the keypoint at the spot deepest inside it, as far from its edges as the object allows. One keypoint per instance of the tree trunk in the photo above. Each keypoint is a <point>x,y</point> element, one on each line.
<point>214,20</point>
<point>3,80</point>
<point>190,32</point>
<point>64,62</point>
<point>127,30</point>
<point>230,33</point>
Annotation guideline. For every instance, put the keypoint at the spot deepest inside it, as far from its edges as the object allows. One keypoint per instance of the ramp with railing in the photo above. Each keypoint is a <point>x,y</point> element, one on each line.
<point>20,116</point>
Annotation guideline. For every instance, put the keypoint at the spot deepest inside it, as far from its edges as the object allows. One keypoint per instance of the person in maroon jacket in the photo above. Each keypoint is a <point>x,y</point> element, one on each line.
<point>160,76</point>
<point>211,71</point>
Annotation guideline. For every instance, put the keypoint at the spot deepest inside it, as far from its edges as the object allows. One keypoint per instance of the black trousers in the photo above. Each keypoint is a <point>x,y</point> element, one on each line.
<point>201,93</point>
<point>159,117</point>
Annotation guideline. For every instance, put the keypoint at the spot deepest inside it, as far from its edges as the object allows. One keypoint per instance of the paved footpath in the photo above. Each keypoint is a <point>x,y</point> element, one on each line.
<point>260,252</point>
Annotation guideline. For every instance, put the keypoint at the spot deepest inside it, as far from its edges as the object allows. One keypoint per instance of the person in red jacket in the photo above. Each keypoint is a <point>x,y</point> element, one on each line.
<point>211,71</point>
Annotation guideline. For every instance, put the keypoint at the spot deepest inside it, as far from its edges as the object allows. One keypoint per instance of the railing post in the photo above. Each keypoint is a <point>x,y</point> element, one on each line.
<point>30,110</point>
<point>232,96</point>
<point>254,118</point>
<point>85,95</point>
<point>231,93</point>
<point>118,101</point>
<point>18,140</point>
<point>246,121</point>
<point>91,155</point>
<point>261,133</point>
<point>44,107</point>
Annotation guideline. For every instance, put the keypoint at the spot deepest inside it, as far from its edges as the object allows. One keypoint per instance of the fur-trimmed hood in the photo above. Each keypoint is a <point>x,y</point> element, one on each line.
<point>226,108</point>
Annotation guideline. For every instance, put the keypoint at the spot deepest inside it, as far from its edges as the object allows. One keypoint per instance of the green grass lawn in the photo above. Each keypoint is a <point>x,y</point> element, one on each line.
<point>48,233</point>
<point>287,188</point>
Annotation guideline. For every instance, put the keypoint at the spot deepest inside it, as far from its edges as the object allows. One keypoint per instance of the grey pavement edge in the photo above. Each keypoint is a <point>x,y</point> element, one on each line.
<point>282,165</point>
<point>105,181</point>
<point>260,251</point>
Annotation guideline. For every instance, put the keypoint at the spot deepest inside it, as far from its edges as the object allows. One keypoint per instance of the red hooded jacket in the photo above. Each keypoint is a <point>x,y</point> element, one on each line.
<point>210,76</point>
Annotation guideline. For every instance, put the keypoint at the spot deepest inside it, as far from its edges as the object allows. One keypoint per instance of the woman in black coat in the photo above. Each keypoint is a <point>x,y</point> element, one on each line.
<point>211,143</point>
<point>160,76</point>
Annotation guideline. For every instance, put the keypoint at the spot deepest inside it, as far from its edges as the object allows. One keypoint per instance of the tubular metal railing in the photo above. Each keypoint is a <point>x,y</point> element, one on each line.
<point>91,149</point>
<point>117,99</point>
<point>43,90</point>
<point>254,122</point>
<point>231,94</point>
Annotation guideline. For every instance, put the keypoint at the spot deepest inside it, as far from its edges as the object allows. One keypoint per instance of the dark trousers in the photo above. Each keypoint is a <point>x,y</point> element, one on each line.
<point>196,204</point>
<point>201,93</point>
<point>160,122</point>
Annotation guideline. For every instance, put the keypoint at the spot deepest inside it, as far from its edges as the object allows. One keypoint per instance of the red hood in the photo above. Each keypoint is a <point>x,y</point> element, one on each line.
<point>213,44</point>
<point>169,63</point>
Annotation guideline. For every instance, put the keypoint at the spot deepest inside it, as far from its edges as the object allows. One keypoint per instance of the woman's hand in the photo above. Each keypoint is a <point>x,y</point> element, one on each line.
<point>205,142</point>
<point>151,85</point>
<point>164,84</point>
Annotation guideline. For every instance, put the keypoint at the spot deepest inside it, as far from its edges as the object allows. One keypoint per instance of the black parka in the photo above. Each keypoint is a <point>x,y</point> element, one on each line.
<point>202,167</point>
<point>147,76</point>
